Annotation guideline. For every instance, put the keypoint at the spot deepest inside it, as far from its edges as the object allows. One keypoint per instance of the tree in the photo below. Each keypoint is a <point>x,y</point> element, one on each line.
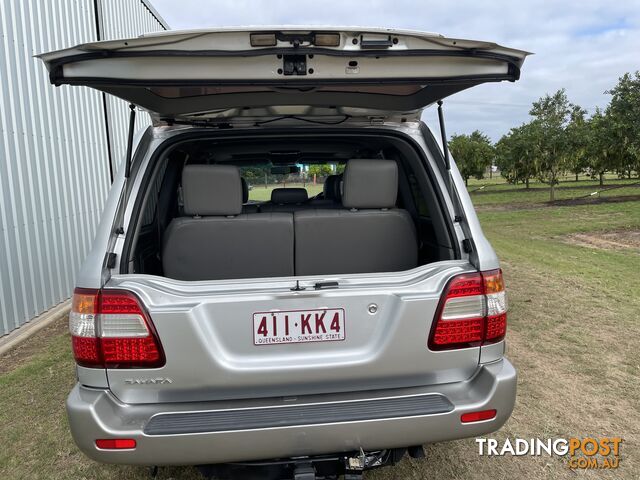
<point>472,153</point>
<point>623,113</point>
<point>257,174</point>
<point>600,149</point>
<point>514,155</point>
<point>552,115</point>
<point>577,140</point>
<point>320,170</point>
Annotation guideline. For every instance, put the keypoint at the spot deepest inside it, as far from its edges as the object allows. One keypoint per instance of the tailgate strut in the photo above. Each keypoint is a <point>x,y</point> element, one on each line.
<point>467,244</point>
<point>132,126</point>
<point>110,256</point>
<point>445,149</point>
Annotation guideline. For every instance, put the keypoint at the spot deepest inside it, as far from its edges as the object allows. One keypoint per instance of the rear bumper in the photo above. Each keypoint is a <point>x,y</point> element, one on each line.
<point>220,432</point>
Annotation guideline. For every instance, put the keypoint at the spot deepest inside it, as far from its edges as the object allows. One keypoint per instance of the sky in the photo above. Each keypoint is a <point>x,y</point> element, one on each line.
<point>581,45</point>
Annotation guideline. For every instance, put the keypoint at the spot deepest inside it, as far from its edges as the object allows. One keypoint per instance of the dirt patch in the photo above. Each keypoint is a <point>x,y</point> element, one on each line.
<point>487,189</point>
<point>21,353</point>
<point>589,200</point>
<point>570,202</point>
<point>612,240</point>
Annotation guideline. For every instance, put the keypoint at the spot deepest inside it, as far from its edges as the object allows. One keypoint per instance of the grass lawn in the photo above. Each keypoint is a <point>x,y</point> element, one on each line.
<point>573,336</point>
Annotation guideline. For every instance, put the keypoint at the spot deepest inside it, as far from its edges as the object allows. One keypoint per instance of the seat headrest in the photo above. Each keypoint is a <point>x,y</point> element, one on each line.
<point>245,190</point>
<point>331,189</point>
<point>370,184</point>
<point>288,196</point>
<point>211,190</point>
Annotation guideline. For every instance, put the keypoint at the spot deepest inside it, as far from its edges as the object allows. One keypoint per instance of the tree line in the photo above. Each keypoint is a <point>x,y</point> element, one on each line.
<point>560,139</point>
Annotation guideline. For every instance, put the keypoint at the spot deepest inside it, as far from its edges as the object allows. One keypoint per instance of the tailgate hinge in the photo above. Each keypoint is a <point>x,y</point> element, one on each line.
<point>110,260</point>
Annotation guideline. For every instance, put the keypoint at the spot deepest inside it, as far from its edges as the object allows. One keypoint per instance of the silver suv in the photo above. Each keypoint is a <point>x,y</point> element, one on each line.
<point>289,273</point>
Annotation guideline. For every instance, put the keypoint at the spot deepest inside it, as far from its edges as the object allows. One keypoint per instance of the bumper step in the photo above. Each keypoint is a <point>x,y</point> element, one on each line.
<point>297,415</point>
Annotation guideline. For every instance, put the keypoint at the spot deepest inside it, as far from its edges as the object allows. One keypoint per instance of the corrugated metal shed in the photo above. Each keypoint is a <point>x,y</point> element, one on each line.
<point>54,156</point>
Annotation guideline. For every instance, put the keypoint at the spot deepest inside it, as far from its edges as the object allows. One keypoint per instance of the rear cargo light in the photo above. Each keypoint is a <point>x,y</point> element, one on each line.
<point>326,40</point>
<point>478,416</point>
<point>111,329</point>
<point>116,443</point>
<point>263,39</point>
<point>472,312</point>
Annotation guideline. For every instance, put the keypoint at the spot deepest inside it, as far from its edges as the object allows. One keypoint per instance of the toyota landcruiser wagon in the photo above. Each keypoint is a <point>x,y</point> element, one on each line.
<point>289,274</point>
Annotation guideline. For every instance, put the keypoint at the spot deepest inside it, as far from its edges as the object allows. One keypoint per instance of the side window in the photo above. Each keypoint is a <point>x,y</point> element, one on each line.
<point>418,198</point>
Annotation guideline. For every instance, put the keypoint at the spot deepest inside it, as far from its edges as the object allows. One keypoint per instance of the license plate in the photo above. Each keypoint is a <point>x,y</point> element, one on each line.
<point>298,326</point>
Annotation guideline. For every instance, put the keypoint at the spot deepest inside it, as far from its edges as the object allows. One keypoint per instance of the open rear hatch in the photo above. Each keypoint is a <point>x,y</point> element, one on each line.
<point>197,76</point>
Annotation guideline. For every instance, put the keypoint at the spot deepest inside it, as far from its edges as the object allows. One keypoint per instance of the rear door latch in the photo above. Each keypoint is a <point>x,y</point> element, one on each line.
<point>294,64</point>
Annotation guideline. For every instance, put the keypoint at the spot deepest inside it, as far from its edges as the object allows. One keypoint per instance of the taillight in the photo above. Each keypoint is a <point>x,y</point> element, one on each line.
<point>111,329</point>
<point>472,312</point>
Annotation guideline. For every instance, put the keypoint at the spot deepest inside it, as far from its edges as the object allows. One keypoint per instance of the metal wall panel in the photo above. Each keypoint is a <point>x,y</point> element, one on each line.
<point>125,19</point>
<point>54,169</point>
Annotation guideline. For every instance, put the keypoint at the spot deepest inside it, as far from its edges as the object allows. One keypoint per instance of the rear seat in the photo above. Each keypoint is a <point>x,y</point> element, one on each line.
<point>247,207</point>
<point>368,235</point>
<point>215,240</point>
<point>286,200</point>
<point>330,193</point>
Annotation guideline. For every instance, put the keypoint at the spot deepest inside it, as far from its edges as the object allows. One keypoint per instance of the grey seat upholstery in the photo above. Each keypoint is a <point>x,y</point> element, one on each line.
<point>247,207</point>
<point>368,235</point>
<point>215,240</point>
<point>286,200</point>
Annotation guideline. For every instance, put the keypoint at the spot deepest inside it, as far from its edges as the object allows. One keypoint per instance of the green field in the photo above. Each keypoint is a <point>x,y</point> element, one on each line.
<point>573,278</point>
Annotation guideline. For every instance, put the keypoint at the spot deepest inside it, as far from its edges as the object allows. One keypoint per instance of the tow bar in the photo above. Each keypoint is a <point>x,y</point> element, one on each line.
<point>350,466</point>
<point>354,466</point>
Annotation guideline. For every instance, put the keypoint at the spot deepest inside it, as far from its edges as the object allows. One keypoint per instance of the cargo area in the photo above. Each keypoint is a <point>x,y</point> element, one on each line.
<point>264,207</point>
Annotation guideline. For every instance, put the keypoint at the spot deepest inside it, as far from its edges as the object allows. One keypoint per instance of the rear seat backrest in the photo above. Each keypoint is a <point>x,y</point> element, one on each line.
<point>368,235</point>
<point>330,193</point>
<point>215,240</point>
<point>286,200</point>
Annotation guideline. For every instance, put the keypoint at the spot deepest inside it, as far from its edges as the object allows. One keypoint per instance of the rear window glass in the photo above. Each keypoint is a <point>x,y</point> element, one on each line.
<point>262,179</point>
<point>418,197</point>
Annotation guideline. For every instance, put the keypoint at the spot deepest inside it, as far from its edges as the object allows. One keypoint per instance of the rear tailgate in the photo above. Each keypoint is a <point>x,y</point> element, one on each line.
<point>314,71</point>
<point>378,339</point>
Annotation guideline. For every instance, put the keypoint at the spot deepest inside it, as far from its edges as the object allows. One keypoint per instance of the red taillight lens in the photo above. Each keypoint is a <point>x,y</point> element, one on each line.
<point>130,351</point>
<point>472,312</point>
<point>86,351</point>
<point>111,329</point>
<point>496,328</point>
<point>116,443</point>
<point>478,416</point>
